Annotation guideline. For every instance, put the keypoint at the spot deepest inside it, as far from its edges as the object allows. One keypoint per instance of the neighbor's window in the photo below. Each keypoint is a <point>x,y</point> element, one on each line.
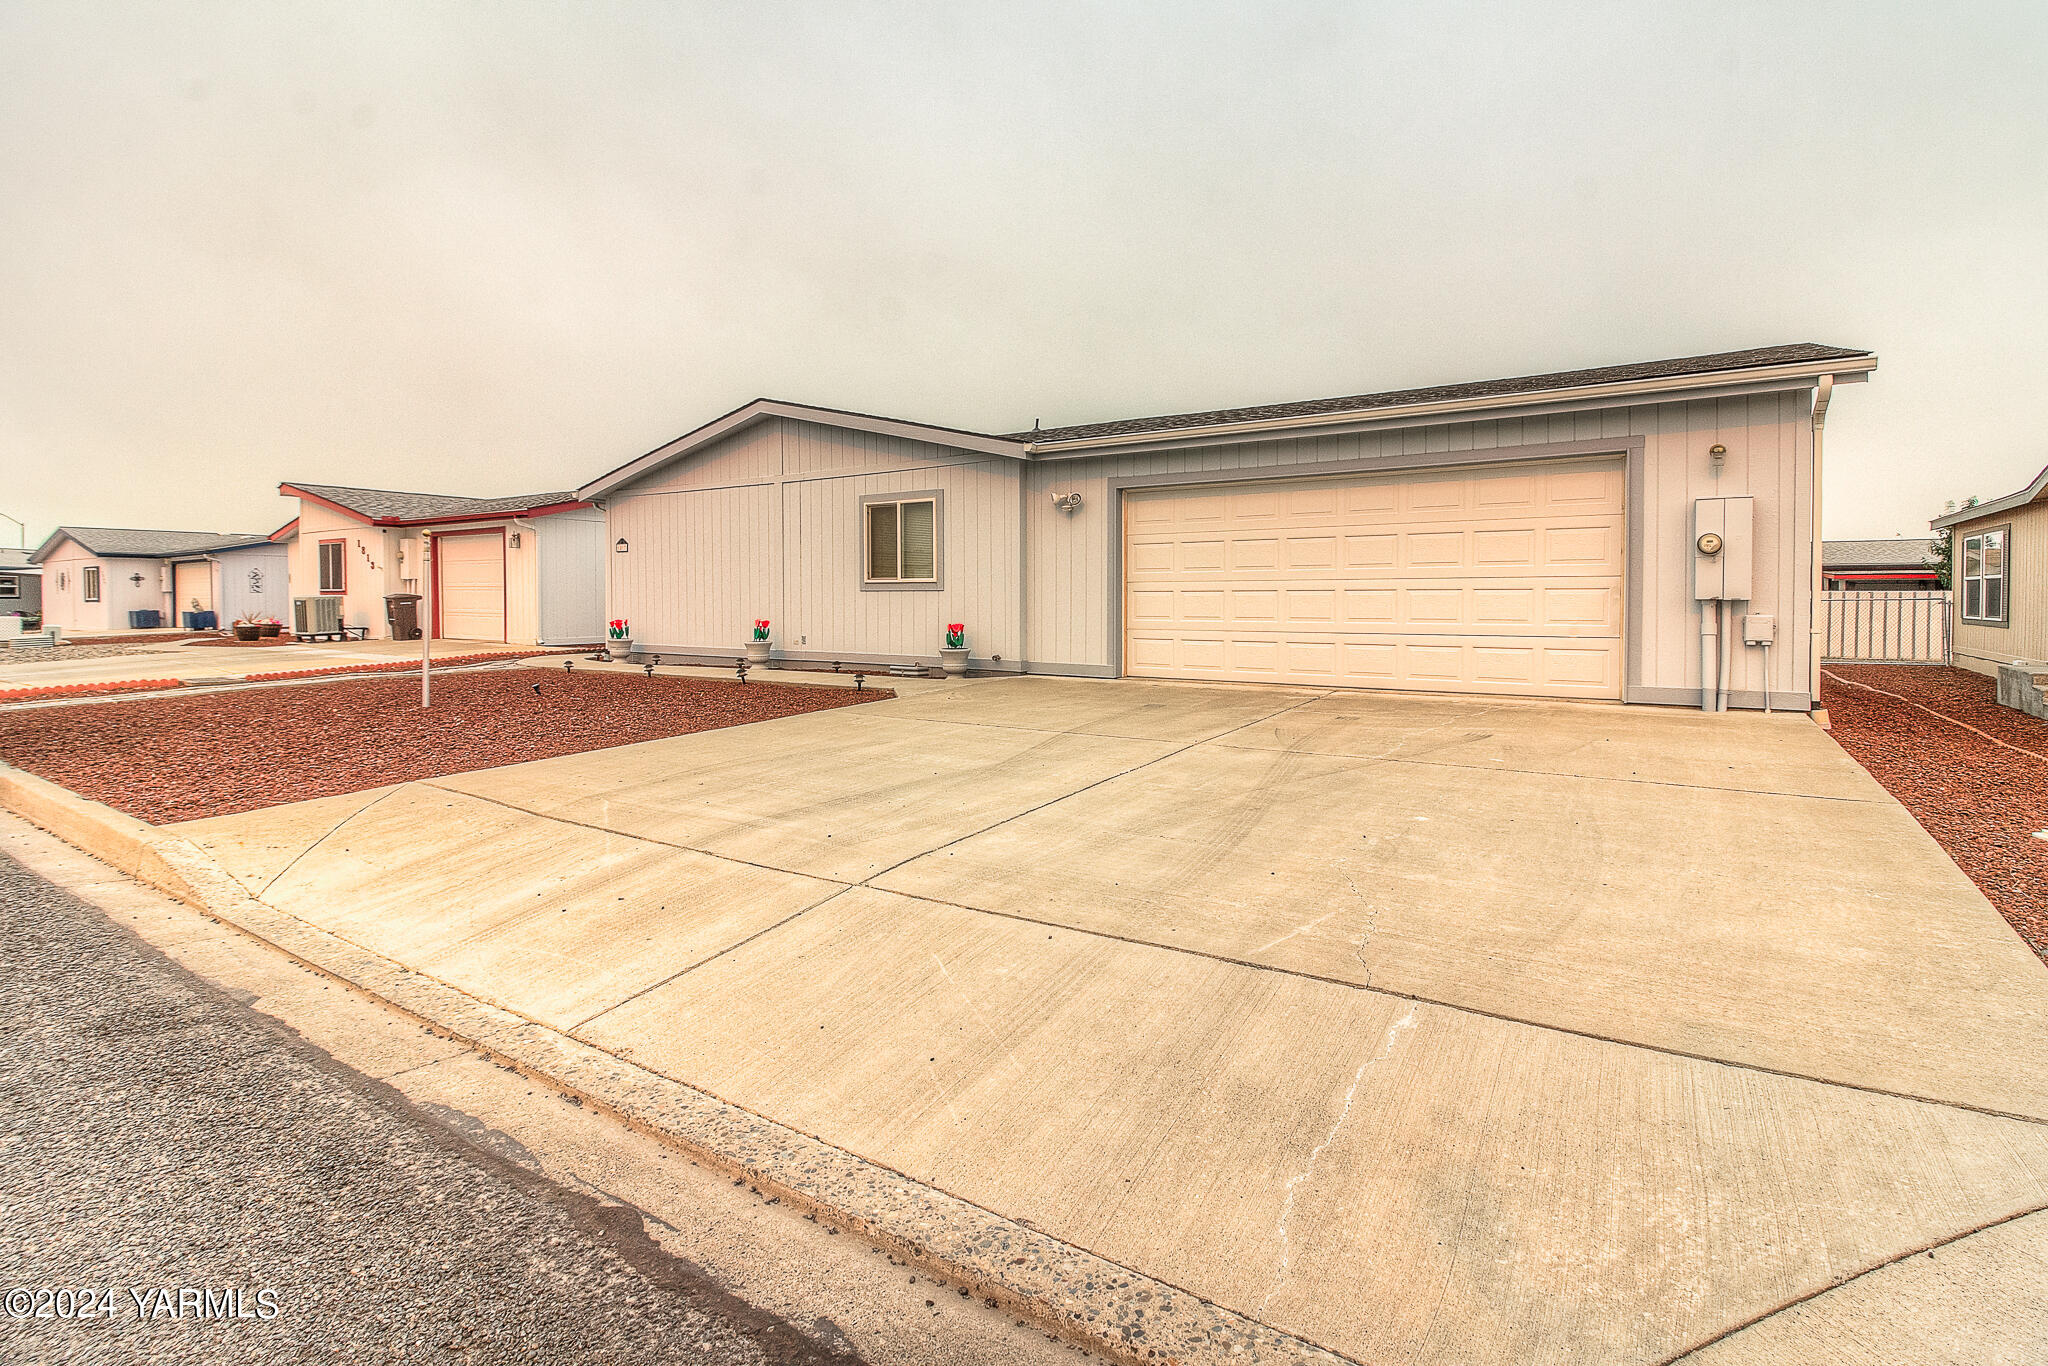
<point>1984,577</point>
<point>91,581</point>
<point>333,573</point>
<point>903,541</point>
<point>10,586</point>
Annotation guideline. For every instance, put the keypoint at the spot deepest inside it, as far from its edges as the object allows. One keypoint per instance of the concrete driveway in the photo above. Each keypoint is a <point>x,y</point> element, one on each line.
<point>1433,1030</point>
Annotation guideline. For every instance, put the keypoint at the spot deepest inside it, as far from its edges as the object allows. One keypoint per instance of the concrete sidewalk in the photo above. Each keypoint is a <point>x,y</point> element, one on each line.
<point>1416,1029</point>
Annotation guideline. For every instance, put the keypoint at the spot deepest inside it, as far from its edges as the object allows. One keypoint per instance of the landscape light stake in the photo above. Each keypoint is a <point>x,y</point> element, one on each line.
<point>650,666</point>
<point>860,682</point>
<point>568,666</point>
<point>743,669</point>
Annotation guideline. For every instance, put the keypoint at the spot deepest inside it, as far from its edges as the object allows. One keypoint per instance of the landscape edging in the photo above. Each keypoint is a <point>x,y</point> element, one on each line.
<point>1084,1298</point>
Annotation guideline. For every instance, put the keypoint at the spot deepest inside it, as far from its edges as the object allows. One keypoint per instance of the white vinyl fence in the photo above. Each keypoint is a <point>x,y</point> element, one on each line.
<point>1885,628</point>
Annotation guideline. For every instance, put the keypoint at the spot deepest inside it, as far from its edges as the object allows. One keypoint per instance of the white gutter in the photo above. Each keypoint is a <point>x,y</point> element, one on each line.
<point>1822,393</point>
<point>1855,367</point>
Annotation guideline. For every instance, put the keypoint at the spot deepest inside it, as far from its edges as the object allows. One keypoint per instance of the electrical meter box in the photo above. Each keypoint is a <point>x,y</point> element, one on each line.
<point>1722,553</point>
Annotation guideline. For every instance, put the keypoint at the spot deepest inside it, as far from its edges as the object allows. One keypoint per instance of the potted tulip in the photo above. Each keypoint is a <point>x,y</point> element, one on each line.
<point>953,654</point>
<point>618,642</point>
<point>757,645</point>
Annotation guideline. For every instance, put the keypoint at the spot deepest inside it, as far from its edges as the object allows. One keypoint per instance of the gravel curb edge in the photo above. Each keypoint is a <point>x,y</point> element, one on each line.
<point>1084,1298</point>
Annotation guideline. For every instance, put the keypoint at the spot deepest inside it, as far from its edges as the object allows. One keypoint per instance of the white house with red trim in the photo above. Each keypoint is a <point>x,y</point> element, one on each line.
<point>524,570</point>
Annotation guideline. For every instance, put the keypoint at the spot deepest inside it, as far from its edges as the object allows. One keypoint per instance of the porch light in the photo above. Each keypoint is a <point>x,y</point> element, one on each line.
<point>620,545</point>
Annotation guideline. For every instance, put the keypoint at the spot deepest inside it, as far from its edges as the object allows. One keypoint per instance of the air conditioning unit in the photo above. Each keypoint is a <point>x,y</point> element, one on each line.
<point>316,616</point>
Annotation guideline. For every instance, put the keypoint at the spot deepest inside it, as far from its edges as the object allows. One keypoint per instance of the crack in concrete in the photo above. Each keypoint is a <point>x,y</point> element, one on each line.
<point>1294,1183</point>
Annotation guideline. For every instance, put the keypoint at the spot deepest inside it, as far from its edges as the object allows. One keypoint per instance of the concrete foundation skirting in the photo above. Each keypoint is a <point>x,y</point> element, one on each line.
<point>1737,701</point>
<point>2023,686</point>
<point>1092,1302</point>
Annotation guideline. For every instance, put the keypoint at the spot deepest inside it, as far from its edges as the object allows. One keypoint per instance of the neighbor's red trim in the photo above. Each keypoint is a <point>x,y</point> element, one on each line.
<point>504,514</point>
<point>333,592</point>
<point>287,531</point>
<point>504,580</point>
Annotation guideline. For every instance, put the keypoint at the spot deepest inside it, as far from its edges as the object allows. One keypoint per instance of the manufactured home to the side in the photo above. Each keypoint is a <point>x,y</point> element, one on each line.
<point>527,570</point>
<point>120,578</point>
<point>1646,533</point>
<point>1999,570</point>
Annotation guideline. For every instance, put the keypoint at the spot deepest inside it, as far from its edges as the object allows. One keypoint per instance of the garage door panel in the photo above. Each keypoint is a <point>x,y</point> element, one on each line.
<point>1499,581</point>
<point>469,580</point>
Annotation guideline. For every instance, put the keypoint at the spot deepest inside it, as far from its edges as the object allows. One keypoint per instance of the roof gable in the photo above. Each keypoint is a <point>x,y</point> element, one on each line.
<point>140,544</point>
<point>762,409</point>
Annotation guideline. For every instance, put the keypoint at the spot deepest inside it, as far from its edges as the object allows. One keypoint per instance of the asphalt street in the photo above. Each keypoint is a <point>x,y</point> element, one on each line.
<point>208,1187</point>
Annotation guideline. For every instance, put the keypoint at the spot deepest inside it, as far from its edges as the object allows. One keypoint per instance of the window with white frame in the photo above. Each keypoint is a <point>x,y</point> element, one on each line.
<point>89,578</point>
<point>333,568</point>
<point>903,540</point>
<point>10,586</point>
<point>1984,577</point>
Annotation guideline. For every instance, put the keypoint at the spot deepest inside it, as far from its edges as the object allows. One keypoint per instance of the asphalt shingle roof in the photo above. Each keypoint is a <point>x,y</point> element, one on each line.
<point>1896,552</point>
<point>1398,398</point>
<point>135,543</point>
<point>390,505</point>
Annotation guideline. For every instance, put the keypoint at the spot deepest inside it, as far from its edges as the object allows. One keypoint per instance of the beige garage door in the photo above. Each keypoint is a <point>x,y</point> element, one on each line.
<point>1501,581</point>
<point>192,588</point>
<point>470,574</point>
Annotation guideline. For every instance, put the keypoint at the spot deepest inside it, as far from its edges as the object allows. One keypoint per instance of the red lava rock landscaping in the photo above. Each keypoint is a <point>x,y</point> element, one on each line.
<point>181,758</point>
<point>1981,800</point>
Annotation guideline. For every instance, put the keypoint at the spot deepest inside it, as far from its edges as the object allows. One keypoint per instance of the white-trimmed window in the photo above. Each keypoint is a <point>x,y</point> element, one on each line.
<point>902,540</point>
<point>89,578</point>
<point>1984,577</point>
<point>333,568</point>
<point>10,586</point>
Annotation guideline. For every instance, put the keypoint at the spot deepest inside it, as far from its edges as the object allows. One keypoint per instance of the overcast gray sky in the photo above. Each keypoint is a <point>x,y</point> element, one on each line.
<point>493,248</point>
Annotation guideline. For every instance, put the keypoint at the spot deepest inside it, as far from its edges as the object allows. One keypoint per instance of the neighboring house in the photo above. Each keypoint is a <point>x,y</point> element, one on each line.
<point>525,570</point>
<point>1896,565</point>
<point>1529,536</point>
<point>2000,578</point>
<point>21,584</point>
<point>95,577</point>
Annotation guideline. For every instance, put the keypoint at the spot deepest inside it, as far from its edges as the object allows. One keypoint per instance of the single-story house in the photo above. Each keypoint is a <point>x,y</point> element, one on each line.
<point>1537,536</point>
<point>526,570</point>
<point>1899,564</point>
<point>21,584</point>
<point>2000,578</point>
<point>101,578</point>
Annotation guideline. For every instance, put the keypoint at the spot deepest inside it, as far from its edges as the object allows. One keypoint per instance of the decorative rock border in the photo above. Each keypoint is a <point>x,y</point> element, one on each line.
<point>1090,1301</point>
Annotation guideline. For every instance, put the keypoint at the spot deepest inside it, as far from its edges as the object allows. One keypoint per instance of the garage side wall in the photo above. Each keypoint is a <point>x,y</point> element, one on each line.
<point>571,567</point>
<point>1073,591</point>
<point>767,523</point>
<point>254,581</point>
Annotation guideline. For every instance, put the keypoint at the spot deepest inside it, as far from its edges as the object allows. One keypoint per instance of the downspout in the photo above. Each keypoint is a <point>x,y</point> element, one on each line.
<point>1823,391</point>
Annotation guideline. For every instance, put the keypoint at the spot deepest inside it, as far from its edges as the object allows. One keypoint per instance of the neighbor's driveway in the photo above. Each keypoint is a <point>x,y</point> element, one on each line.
<point>197,663</point>
<point>1431,1030</point>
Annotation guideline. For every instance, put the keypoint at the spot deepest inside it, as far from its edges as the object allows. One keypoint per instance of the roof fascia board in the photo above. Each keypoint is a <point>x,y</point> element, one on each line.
<point>764,408</point>
<point>1848,370</point>
<point>1994,507</point>
<point>502,515</point>
<point>1391,420</point>
<point>52,541</point>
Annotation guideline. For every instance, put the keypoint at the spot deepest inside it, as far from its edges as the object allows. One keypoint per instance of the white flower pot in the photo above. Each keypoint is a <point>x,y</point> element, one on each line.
<point>757,651</point>
<point>619,651</point>
<point>953,659</point>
